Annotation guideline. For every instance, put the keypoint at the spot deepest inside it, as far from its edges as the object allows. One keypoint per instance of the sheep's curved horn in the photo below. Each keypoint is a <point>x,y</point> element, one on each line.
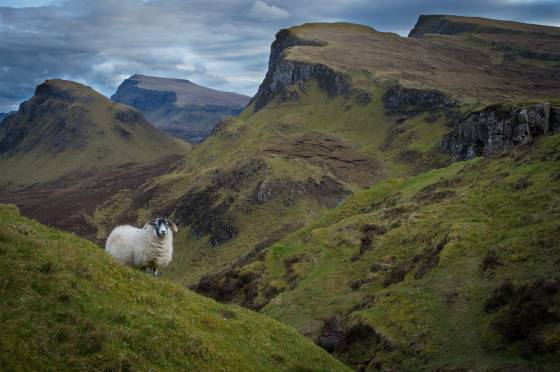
<point>173,225</point>
<point>148,224</point>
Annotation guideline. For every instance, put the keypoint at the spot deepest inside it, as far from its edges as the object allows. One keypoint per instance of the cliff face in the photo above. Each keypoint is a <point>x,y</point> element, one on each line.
<point>397,98</point>
<point>283,72</point>
<point>497,129</point>
<point>179,107</point>
<point>142,99</point>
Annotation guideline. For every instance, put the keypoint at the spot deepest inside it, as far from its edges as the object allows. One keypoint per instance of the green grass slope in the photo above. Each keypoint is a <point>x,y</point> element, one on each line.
<point>454,268</point>
<point>66,305</point>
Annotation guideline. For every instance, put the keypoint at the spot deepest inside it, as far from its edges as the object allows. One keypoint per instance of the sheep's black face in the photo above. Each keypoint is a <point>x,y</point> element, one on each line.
<point>162,226</point>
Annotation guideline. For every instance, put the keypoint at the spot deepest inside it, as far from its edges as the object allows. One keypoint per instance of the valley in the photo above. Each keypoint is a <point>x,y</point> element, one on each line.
<point>393,199</point>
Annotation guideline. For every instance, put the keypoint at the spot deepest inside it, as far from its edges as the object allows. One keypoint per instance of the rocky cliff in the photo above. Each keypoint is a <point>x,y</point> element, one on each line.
<point>399,99</point>
<point>499,128</point>
<point>179,107</point>
<point>283,72</point>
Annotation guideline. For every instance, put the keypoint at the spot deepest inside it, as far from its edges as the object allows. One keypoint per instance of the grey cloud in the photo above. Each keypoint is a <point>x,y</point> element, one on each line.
<point>263,11</point>
<point>220,43</point>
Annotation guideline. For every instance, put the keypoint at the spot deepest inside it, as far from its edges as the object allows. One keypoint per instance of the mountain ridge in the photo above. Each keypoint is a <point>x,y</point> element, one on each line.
<point>449,25</point>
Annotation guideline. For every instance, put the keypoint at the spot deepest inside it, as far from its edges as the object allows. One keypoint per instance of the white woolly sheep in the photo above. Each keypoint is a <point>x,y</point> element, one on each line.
<point>148,249</point>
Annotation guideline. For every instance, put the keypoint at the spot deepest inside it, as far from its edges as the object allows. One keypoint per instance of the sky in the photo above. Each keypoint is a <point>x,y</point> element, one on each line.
<point>222,44</point>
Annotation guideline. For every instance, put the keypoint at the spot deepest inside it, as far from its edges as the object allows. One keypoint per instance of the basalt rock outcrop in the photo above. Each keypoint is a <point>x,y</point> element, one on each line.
<point>397,99</point>
<point>283,72</point>
<point>498,128</point>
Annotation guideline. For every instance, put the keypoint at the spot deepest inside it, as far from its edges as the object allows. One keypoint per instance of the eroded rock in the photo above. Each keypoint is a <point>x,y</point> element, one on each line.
<point>410,100</point>
<point>497,129</point>
<point>283,72</point>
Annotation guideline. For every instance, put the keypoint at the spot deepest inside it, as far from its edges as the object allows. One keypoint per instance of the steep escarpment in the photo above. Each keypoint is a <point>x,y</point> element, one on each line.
<point>282,72</point>
<point>499,128</point>
<point>179,107</point>
<point>67,127</point>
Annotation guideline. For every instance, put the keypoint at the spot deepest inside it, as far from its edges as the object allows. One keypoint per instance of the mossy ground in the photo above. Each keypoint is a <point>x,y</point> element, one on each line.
<point>507,205</point>
<point>66,305</point>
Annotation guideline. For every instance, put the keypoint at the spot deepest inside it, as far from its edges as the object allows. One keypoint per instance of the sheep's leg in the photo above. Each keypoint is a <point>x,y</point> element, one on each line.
<point>148,270</point>
<point>152,267</point>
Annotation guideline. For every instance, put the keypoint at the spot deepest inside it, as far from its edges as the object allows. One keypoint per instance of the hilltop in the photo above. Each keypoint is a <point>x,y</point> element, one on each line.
<point>179,107</point>
<point>68,127</point>
<point>66,304</point>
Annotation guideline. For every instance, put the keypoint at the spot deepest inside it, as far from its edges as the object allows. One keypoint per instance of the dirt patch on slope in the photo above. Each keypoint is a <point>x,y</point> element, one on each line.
<point>326,150</point>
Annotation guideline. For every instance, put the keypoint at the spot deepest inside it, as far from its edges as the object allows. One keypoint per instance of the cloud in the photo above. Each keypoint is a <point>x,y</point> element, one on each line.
<point>262,11</point>
<point>223,44</point>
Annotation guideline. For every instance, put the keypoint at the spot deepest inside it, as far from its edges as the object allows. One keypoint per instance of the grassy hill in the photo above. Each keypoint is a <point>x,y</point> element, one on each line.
<point>65,304</point>
<point>68,127</point>
<point>457,267</point>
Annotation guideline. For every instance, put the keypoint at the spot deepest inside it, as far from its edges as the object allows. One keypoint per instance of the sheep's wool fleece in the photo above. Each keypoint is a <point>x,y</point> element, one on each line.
<point>137,247</point>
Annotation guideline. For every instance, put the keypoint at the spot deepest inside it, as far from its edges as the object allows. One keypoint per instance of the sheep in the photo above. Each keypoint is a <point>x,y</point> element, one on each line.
<point>148,249</point>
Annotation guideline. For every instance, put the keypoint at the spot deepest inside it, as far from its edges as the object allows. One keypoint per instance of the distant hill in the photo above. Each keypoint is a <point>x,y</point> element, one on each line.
<point>68,127</point>
<point>454,25</point>
<point>4,114</point>
<point>67,305</point>
<point>179,107</point>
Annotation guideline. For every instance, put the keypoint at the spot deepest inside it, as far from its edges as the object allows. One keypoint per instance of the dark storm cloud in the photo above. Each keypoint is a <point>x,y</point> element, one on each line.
<point>219,43</point>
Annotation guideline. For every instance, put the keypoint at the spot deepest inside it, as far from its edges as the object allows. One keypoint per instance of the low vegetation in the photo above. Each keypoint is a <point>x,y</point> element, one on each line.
<point>67,305</point>
<point>414,272</point>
